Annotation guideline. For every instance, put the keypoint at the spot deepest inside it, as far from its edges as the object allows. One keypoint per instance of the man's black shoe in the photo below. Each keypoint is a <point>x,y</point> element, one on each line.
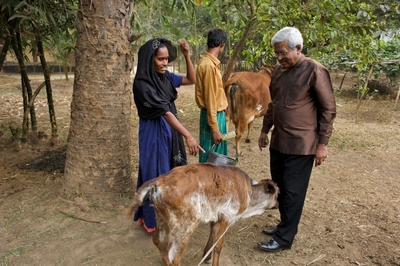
<point>270,231</point>
<point>272,246</point>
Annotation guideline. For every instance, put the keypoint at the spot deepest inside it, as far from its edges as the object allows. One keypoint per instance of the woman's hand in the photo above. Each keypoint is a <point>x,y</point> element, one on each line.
<point>190,74</point>
<point>184,45</point>
<point>190,141</point>
<point>193,146</point>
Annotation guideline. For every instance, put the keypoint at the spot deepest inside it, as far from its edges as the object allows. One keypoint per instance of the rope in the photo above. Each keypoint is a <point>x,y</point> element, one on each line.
<point>213,246</point>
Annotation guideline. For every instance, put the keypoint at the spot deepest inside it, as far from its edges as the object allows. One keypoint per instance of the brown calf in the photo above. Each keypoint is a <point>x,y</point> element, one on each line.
<point>248,98</point>
<point>188,195</point>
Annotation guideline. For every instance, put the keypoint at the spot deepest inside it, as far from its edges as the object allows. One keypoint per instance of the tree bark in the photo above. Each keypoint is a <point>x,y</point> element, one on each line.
<point>25,118</point>
<point>49,92</point>
<point>397,97</point>
<point>237,50</point>
<point>364,91</point>
<point>3,52</point>
<point>11,26</point>
<point>98,163</point>
<point>27,87</point>
<point>27,110</point>
<point>65,65</point>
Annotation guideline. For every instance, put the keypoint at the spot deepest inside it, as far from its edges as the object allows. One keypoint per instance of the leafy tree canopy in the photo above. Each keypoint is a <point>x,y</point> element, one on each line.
<point>333,30</point>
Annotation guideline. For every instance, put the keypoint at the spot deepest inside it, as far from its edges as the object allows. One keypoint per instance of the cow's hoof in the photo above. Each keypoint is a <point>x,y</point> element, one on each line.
<point>247,141</point>
<point>208,259</point>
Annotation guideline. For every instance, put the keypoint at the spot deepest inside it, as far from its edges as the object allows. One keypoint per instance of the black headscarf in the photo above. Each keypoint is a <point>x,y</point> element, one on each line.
<point>154,93</point>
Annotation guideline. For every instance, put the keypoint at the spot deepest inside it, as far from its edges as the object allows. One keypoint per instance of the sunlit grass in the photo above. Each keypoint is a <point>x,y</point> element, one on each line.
<point>18,251</point>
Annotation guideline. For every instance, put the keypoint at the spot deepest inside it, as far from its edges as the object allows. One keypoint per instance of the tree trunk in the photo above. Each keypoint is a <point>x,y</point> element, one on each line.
<point>25,118</point>
<point>65,65</point>
<point>28,88</point>
<point>25,80</point>
<point>49,92</point>
<point>364,91</point>
<point>27,110</point>
<point>3,52</point>
<point>238,48</point>
<point>98,155</point>
<point>397,97</point>
<point>11,26</point>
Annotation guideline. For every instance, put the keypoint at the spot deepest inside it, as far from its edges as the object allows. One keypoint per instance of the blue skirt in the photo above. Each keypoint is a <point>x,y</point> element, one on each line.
<point>155,153</point>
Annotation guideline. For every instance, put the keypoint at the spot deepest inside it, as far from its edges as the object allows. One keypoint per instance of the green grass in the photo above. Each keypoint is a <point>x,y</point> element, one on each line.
<point>351,140</point>
<point>18,251</point>
<point>6,132</point>
<point>14,216</point>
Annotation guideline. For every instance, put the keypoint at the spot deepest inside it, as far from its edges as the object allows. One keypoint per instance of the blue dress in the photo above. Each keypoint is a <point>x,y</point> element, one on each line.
<point>155,155</point>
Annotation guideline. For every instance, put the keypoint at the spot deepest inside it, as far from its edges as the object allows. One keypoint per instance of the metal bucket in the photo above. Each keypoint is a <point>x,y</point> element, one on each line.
<point>220,159</point>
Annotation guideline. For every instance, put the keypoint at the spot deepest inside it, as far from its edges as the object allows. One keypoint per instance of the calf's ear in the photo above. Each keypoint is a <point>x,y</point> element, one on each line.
<point>269,188</point>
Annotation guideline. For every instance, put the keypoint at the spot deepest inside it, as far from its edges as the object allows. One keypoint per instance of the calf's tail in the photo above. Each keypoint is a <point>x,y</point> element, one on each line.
<point>143,195</point>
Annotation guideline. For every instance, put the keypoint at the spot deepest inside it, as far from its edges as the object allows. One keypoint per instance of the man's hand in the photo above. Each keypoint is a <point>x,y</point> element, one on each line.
<point>217,136</point>
<point>321,155</point>
<point>263,141</point>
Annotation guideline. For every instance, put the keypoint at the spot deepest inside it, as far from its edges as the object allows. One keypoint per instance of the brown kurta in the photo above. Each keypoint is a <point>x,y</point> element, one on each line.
<point>302,109</point>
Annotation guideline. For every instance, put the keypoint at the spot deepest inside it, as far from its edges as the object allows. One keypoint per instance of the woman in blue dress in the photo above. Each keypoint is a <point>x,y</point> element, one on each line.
<point>161,145</point>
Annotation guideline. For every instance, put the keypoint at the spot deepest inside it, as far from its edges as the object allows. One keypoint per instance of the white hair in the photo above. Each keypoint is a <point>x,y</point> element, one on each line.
<point>290,34</point>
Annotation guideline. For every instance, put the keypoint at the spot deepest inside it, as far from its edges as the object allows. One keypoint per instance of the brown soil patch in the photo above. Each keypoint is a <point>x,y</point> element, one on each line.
<point>351,215</point>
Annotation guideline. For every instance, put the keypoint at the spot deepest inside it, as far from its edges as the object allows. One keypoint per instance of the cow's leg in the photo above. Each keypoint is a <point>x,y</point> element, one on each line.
<point>228,119</point>
<point>219,235</point>
<point>210,242</point>
<point>229,111</point>
<point>172,238</point>
<point>216,231</point>
<point>249,128</point>
<point>239,132</point>
<point>161,241</point>
<point>179,238</point>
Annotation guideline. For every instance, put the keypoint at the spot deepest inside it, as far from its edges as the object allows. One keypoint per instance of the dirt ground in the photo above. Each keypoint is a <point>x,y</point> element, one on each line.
<point>351,215</point>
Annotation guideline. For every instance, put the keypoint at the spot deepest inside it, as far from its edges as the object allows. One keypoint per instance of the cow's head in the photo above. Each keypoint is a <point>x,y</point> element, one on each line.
<point>265,192</point>
<point>272,188</point>
<point>268,69</point>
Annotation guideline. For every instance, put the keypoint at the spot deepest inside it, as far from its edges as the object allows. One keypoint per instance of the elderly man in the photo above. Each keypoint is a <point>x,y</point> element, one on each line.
<point>302,112</point>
